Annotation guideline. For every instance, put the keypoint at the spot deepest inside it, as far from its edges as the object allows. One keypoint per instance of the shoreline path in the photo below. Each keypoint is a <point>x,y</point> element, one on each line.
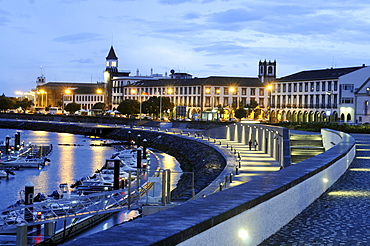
<point>340,215</point>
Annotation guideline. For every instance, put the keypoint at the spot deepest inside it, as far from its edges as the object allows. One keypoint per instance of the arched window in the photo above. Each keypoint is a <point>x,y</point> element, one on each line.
<point>270,70</point>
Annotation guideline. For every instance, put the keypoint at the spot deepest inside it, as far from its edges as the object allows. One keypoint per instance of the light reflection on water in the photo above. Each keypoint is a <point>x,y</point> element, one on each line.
<point>71,161</point>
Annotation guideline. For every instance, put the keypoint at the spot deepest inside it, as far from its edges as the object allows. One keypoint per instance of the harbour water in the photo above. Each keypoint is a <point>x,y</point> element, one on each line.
<point>72,157</point>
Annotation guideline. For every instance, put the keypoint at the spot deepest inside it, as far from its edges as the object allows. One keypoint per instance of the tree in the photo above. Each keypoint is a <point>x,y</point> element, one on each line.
<point>99,105</point>
<point>72,107</point>
<point>24,104</point>
<point>6,103</point>
<point>129,107</point>
<point>240,113</point>
<point>252,107</point>
<point>154,104</point>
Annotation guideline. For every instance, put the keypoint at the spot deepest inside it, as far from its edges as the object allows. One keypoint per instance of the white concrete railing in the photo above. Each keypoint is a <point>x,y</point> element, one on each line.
<point>263,220</point>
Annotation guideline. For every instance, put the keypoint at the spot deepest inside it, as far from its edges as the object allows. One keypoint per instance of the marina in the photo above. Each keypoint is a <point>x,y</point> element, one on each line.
<point>85,145</point>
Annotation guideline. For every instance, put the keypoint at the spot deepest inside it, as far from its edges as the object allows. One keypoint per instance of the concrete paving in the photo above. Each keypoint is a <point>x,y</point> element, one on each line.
<point>252,163</point>
<point>340,215</point>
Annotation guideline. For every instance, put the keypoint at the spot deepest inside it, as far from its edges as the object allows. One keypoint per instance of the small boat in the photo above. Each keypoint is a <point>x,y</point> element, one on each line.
<point>26,162</point>
<point>128,156</point>
<point>5,173</point>
<point>97,184</point>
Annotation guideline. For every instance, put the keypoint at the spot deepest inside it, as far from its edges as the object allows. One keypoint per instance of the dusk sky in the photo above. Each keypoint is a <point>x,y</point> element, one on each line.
<point>71,38</point>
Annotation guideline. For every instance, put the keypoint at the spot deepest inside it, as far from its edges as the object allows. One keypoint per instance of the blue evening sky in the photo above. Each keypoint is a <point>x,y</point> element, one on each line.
<point>71,38</point>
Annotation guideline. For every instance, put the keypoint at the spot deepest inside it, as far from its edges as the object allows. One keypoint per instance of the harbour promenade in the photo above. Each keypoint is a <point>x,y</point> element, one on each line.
<point>340,215</point>
<point>215,211</point>
<point>286,192</point>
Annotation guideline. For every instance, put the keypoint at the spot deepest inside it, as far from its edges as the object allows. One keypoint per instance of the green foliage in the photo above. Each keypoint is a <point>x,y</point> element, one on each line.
<point>6,103</point>
<point>152,105</point>
<point>99,105</point>
<point>24,104</point>
<point>316,126</point>
<point>240,113</point>
<point>72,107</point>
<point>129,107</point>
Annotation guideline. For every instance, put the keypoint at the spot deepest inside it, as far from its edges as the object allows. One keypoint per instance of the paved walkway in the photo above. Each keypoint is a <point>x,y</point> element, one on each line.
<point>252,163</point>
<point>339,216</point>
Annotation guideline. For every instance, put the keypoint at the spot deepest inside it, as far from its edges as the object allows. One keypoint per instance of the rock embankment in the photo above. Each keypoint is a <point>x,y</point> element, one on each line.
<point>204,161</point>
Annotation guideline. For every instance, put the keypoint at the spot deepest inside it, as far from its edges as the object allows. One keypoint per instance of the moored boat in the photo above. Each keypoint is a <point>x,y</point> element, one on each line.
<point>25,162</point>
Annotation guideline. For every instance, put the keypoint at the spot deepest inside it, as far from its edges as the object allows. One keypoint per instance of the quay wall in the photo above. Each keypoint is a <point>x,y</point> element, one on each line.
<point>243,215</point>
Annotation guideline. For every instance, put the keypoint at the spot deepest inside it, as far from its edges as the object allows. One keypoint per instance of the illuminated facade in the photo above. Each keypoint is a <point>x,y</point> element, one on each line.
<point>195,95</point>
<point>326,95</point>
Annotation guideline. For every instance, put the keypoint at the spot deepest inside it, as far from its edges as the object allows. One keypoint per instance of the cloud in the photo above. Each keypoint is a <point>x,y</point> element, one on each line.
<point>84,61</point>
<point>214,66</point>
<point>3,21</point>
<point>78,38</point>
<point>222,48</point>
<point>191,16</point>
<point>235,16</point>
<point>176,2</point>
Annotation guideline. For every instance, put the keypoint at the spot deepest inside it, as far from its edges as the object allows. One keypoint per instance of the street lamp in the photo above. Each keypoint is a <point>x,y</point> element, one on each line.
<point>42,92</point>
<point>235,91</point>
<point>269,88</point>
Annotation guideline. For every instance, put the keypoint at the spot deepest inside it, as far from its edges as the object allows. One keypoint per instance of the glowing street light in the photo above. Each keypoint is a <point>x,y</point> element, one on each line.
<point>269,88</point>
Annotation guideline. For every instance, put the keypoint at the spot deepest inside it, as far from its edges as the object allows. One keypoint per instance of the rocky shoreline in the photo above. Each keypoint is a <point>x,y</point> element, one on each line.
<point>205,161</point>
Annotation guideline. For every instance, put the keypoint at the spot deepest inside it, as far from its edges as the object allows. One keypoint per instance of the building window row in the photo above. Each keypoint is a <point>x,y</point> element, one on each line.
<point>307,86</point>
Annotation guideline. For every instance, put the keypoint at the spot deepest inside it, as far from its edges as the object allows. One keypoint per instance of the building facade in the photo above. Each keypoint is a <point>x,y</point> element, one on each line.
<point>194,95</point>
<point>326,95</point>
<point>59,94</point>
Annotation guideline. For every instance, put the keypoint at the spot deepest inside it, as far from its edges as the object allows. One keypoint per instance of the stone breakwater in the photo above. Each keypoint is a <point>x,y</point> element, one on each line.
<point>206,162</point>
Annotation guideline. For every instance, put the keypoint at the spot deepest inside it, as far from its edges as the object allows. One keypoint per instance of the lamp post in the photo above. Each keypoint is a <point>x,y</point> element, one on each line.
<point>269,88</point>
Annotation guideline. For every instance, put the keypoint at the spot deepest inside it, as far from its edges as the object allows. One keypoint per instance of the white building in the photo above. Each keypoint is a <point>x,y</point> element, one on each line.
<point>334,94</point>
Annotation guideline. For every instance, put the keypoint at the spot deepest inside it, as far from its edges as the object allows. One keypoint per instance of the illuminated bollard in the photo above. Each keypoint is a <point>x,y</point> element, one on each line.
<point>28,197</point>
<point>231,178</point>
<point>221,186</point>
<point>236,171</point>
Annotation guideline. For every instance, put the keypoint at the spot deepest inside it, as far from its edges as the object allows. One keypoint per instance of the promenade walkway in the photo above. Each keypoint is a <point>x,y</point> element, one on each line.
<point>252,163</point>
<point>340,215</point>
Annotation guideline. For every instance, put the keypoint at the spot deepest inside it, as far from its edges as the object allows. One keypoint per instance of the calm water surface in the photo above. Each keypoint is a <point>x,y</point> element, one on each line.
<point>71,159</point>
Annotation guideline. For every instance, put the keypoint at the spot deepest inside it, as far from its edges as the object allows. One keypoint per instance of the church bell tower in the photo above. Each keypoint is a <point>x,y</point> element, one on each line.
<point>267,71</point>
<point>111,61</point>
